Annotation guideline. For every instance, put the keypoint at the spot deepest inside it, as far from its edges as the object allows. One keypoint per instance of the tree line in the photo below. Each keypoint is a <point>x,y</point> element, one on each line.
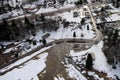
<point>18,30</point>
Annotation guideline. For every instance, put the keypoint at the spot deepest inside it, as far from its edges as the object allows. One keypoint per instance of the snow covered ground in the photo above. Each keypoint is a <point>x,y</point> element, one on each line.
<point>62,32</point>
<point>28,70</point>
<point>100,62</point>
<point>24,59</point>
<point>31,68</point>
<point>114,14</point>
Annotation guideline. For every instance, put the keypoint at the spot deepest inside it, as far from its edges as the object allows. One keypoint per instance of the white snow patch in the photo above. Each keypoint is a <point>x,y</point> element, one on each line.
<point>24,59</point>
<point>75,74</point>
<point>27,71</point>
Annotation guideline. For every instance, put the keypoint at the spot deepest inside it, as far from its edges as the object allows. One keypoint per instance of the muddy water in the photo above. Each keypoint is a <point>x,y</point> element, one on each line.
<point>56,55</point>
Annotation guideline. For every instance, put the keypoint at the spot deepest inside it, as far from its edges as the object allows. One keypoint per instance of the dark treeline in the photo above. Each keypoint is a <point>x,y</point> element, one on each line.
<point>111,43</point>
<point>18,30</point>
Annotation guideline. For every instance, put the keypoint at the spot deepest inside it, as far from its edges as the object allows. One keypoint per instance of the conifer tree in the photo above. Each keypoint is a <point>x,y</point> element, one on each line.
<point>89,62</point>
<point>74,34</point>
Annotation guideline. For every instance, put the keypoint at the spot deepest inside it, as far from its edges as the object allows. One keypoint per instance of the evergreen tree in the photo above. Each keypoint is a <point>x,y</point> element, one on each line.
<point>82,21</point>
<point>42,17</point>
<point>82,35</point>
<point>44,41</point>
<point>74,34</point>
<point>45,4</point>
<point>26,20</point>
<point>89,62</point>
<point>102,9</point>
<point>117,4</point>
<point>115,37</point>
<point>87,27</point>
<point>85,1</point>
<point>113,1</point>
<point>15,28</point>
<point>16,1</point>
<point>5,30</point>
<point>9,7</point>
<point>34,42</point>
<point>54,1</point>
<point>78,3</point>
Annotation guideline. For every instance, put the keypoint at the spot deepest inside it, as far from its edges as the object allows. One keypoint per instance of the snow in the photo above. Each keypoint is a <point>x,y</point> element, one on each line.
<point>114,9</point>
<point>29,6</point>
<point>74,74</point>
<point>24,59</point>
<point>27,71</point>
<point>8,50</point>
<point>6,15</point>
<point>43,10</point>
<point>113,17</point>
<point>63,33</point>
<point>17,13</point>
<point>69,15</point>
<point>100,62</point>
<point>95,76</point>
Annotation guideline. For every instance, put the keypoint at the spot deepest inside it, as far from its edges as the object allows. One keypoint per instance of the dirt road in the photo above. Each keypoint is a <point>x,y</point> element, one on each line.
<point>54,65</point>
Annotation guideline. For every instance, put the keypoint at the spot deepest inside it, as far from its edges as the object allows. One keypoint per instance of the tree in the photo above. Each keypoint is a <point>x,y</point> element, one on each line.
<point>14,30</point>
<point>45,4</point>
<point>89,62</point>
<point>82,35</point>
<point>5,30</point>
<point>74,34</point>
<point>79,2</point>
<point>83,21</point>
<point>54,1</point>
<point>102,9</point>
<point>16,1</point>
<point>9,7</point>
<point>34,42</point>
<point>61,2</point>
<point>44,41</point>
<point>27,20</point>
<point>85,1</point>
<point>42,17</point>
<point>115,37</point>
<point>113,1</point>
<point>117,3</point>
<point>87,27</point>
